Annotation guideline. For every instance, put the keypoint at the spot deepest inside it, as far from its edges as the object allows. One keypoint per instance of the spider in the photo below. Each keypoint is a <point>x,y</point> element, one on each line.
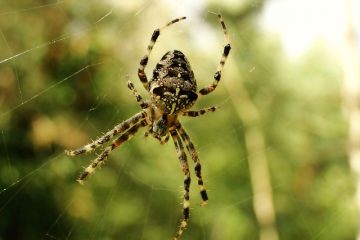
<point>172,91</point>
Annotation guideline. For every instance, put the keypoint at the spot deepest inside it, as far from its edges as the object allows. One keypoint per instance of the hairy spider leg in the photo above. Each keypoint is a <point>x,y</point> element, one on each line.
<point>194,156</point>
<point>118,129</point>
<point>187,180</point>
<point>138,97</point>
<point>104,155</point>
<point>200,112</point>
<point>144,60</point>
<point>226,52</point>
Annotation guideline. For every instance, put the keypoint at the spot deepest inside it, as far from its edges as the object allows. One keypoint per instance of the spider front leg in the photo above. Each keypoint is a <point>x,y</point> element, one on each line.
<point>104,155</point>
<point>194,155</point>
<point>118,129</point>
<point>144,60</point>
<point>217,76</point>
<point>187,180</point>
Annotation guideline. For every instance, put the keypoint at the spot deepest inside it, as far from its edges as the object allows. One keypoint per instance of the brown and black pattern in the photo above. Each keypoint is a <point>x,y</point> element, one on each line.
<point>173,85</point>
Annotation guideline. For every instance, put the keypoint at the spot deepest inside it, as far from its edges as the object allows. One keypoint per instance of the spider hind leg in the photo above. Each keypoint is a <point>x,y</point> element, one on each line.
<point>194,156</point>
<point>187,180</point>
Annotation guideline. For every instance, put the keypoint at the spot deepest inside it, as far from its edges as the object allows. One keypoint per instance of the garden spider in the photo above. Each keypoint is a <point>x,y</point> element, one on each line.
<point>173,91</point>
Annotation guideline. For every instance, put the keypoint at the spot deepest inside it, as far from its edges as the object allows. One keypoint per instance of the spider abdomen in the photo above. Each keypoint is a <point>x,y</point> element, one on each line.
<point>174,64</point>
<point>173,85</point>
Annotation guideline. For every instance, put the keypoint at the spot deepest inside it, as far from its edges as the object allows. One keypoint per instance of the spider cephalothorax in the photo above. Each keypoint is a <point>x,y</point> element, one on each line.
<point>172,92</point>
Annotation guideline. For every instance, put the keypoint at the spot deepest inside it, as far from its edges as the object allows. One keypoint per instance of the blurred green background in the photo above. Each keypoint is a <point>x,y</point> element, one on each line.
<point>274,156</point>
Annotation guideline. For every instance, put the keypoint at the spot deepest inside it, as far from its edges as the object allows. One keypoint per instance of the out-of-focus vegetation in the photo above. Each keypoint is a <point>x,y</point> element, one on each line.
<point>67,86</point>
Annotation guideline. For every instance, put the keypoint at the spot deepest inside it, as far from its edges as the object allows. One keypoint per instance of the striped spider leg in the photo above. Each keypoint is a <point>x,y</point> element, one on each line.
<point>200,112</point>
<point>118,129</point>
<point>126,130</point>
<point>187,180</point>
<point>194,156</point>
<point>217,75</point>
<point>143,63</point>
<point>104,155</point>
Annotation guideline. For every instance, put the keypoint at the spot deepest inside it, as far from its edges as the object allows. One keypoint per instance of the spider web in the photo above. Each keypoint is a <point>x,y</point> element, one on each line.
<point>137,194</point>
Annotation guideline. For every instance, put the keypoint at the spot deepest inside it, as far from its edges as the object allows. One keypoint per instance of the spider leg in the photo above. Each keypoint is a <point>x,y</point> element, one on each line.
<point>185,168</point>
<point>199,112</point>
<point>194,155</point>
<point>144,60</point>
<point>118,129</point>
<point>139,99</point>
<point>226,52</point>
<point>104,155</point>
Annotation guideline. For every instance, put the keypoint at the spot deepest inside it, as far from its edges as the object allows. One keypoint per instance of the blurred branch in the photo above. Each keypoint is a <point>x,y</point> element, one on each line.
<point>258,163</point>
<point>255,145</point>
<point>351,99</point>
